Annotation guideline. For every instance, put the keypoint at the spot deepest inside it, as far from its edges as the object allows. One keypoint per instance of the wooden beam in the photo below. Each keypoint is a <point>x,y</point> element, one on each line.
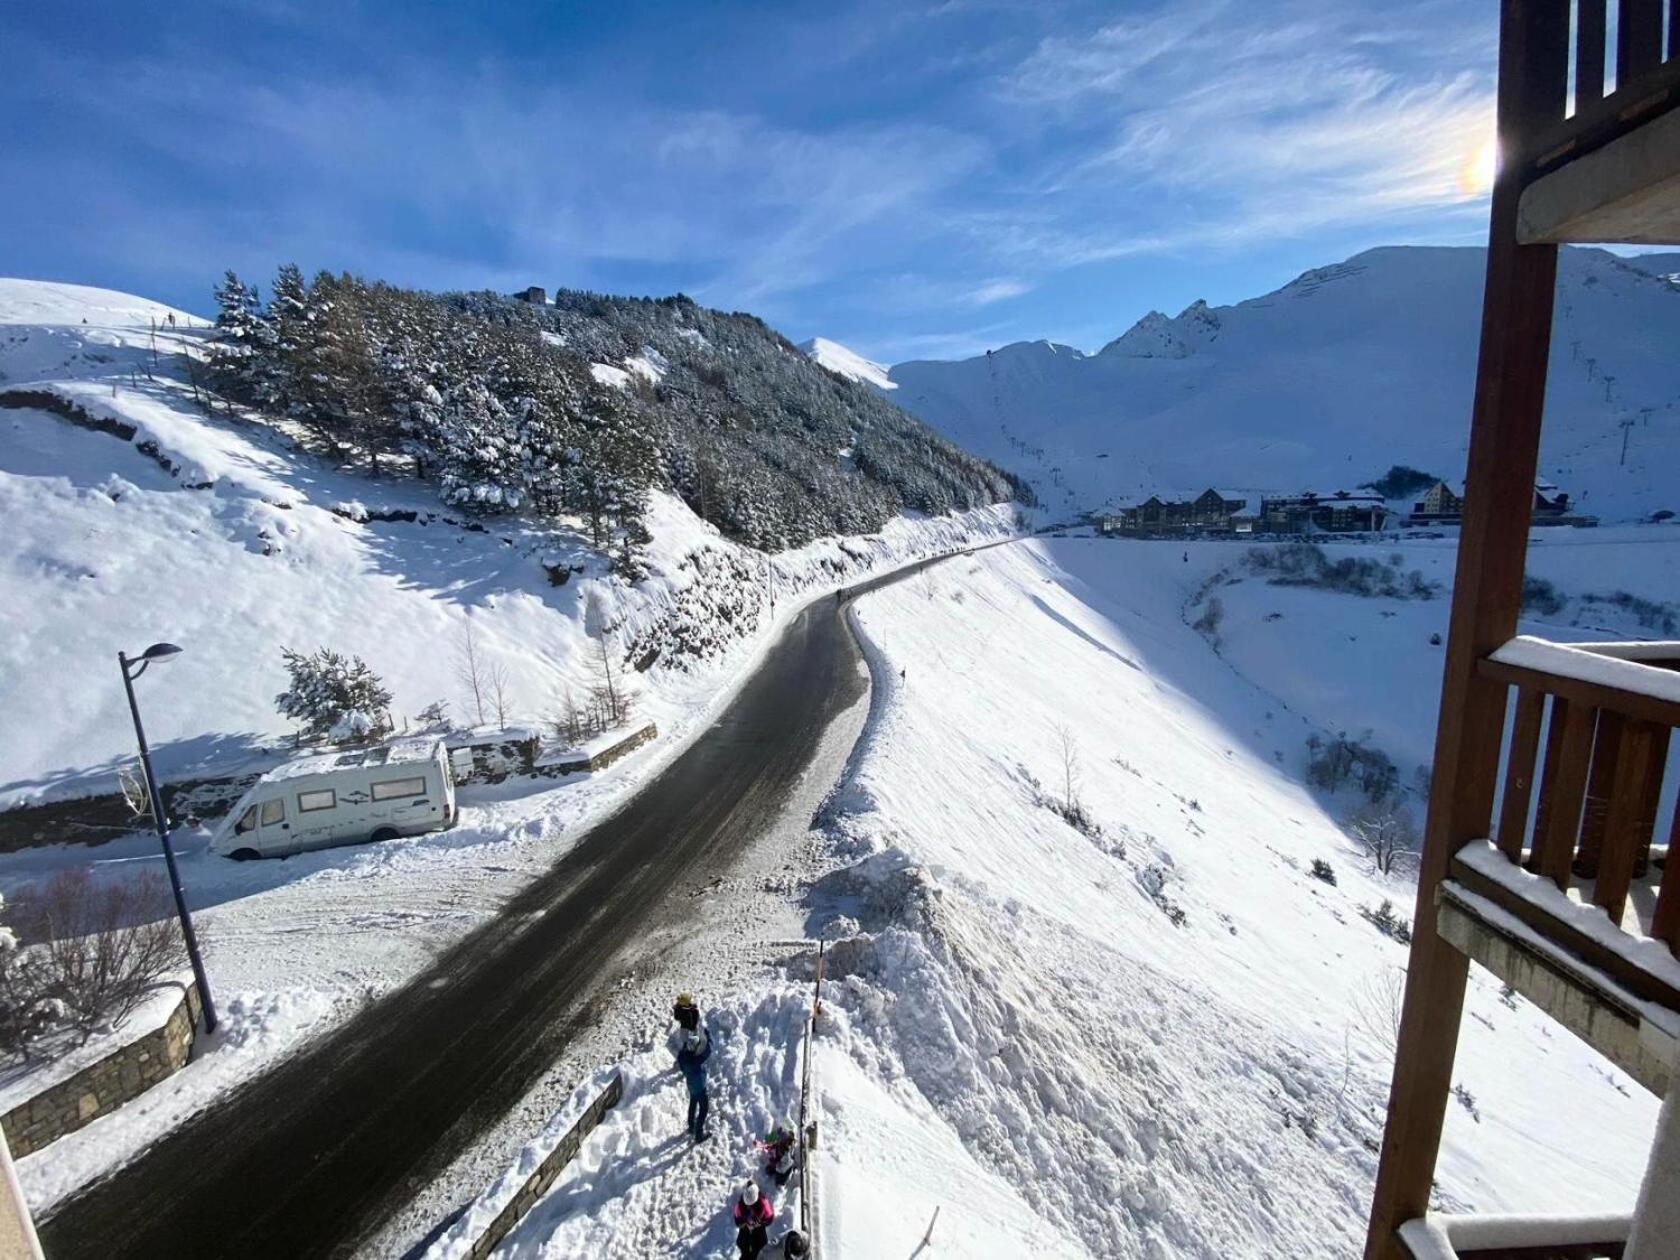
<point>1586,949</point>
<point>1630,780</point>
<point>1665,919</point>
<point>1606,747</point>
<point>1563,791</point>
<point>1660,737</point>
<point>1487,596</point>
<point>1634,704</point>
<point>1639,39</point>
<point>1519,772</point>
<point>1589,53</point>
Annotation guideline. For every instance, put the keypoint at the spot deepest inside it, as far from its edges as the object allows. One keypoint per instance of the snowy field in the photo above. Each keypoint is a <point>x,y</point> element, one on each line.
<point>1019,1037</point>
<point>225,538</point>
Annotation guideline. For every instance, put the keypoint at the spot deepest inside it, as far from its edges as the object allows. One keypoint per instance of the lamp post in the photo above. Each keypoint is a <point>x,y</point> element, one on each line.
<point>160,652</point>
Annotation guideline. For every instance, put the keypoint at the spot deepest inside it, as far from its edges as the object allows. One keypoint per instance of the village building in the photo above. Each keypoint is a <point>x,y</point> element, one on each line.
<point>536,295</point>
<point>1328,511</point>
<point>1438,506</point>
<point>1211,512</point>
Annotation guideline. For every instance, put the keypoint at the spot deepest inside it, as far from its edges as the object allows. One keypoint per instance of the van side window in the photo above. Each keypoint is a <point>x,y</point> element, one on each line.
<point>391,789</point>
<point>308,802</point>
<point>247,821</point>
<point>273,811</point>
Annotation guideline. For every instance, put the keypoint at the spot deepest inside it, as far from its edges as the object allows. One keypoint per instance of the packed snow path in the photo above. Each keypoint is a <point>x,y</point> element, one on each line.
<point>311,1157</point>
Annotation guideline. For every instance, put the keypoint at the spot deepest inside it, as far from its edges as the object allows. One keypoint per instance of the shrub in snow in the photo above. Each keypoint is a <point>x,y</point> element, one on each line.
<point>327,688</point>
<point>434,717</point>
<point>1153,880</point>
<point>1663,618</point>
<point>28,1011</point>
<point>104,947</point>
<point>351,510</point>
<point>1467,1100</point>
<point>1213,616</point>
<point>1386,921</point>
<point>1540,596</point>
<point>1342,761</point>
<point>1322,870</point>
<point>1305,564</point>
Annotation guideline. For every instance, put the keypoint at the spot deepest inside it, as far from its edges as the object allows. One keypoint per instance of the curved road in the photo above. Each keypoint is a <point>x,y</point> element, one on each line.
<point>309,1158</point>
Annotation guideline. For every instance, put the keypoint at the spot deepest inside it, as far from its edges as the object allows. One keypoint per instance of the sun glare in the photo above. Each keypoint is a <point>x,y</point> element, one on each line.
<point>1476,176</point>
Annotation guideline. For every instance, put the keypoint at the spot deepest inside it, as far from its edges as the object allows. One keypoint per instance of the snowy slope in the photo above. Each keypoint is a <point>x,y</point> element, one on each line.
<point>1148,1090</point>
<point>847,362</point>
<point>1327,382</point>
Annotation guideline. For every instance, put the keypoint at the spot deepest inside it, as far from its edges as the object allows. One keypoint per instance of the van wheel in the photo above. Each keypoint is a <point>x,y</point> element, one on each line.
<point>244,855</point>
<point>383,834</point>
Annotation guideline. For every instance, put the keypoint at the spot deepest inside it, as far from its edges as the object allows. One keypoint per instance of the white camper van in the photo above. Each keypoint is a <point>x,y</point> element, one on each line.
<point>402,788</point>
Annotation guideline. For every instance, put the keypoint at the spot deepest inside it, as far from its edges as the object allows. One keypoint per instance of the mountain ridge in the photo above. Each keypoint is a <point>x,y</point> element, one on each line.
<point>1329,379</point>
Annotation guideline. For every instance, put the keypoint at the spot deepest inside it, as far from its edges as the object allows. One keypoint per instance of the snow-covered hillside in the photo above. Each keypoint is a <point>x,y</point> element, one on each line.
<point>1156,1035</point>
<point>133,514</point>
<point>1327,382</point>
<point>219,534</point>
<point>847,362</point>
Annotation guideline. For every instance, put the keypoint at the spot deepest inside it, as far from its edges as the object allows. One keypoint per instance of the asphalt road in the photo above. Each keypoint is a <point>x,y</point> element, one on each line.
<point>309,1159</point>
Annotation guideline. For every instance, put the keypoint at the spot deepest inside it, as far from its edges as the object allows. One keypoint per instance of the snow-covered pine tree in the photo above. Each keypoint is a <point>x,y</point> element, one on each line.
<point>241,355</point>
<point>330,691</point>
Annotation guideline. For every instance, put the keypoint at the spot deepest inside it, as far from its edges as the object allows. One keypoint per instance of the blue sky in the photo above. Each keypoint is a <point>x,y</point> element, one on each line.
<point>914,179</point>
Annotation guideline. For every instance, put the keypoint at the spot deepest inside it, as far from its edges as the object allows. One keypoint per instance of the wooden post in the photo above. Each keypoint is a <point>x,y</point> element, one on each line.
<point>1487,596</point>
<point>1519,772</point>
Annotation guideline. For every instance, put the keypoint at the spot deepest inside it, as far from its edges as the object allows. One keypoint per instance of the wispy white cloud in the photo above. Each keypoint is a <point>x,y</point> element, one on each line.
<point>1215,124</point>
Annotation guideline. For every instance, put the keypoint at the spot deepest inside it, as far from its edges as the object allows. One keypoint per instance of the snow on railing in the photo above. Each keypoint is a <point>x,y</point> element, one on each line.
<point>1463,1237</point>
<point>1618,666</point>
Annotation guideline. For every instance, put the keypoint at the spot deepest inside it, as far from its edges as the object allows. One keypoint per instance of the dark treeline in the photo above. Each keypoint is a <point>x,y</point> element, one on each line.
<point>494,400</point>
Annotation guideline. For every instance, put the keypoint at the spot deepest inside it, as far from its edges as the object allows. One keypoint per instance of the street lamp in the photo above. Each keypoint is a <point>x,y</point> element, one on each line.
<point>162,652</point>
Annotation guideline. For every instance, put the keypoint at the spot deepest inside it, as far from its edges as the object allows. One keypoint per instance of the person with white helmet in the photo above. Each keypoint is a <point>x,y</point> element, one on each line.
<point>753,1214</point>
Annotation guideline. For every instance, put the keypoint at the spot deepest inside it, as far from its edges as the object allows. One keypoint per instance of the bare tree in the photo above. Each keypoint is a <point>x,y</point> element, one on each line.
<point>469,668</point>
<point>1377,1004</point>
<point>1387,834</point>
<point>1068,748</point>
<point>498,682</point>
<point>103,946</point>
<point>615,709</point>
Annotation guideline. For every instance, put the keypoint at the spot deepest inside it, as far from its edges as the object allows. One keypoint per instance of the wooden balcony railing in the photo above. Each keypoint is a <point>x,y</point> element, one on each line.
<point>1607,712</point>
<point>1641,63</point>
<point>1516,1238</point>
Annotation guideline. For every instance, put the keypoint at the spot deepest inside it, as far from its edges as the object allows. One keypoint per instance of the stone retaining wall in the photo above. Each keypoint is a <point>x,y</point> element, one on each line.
<point>101,1087</point>
<point>537,1184</point>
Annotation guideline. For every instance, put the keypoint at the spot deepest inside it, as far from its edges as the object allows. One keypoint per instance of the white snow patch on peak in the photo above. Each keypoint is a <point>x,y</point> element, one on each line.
<point>52,302</point>
<point>844,361</point>
<point>1157,337</point>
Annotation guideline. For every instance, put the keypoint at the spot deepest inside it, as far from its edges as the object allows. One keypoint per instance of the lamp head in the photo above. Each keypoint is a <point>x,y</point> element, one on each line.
<point>159,652</point>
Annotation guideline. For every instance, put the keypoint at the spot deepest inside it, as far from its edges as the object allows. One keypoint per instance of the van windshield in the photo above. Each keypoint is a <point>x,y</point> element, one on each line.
<point>247,821</point>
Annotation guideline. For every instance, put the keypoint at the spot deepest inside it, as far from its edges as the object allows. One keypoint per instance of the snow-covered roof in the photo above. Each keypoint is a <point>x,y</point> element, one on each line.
<point>404,751</point>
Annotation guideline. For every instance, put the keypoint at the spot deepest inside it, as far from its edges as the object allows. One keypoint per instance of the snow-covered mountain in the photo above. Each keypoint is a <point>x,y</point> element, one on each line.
<point>844,361</point>
<point>1330,380</point>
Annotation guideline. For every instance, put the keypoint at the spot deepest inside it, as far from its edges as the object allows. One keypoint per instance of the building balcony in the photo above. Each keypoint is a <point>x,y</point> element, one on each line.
<point>1610,170</point>
<point>1569,902</point>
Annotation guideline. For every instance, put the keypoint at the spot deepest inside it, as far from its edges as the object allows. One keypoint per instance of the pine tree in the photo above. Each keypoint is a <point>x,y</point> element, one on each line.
<point>241,354</point>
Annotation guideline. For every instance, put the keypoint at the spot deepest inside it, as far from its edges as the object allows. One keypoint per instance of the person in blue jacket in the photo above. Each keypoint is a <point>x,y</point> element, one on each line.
<point>693,1046</point>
